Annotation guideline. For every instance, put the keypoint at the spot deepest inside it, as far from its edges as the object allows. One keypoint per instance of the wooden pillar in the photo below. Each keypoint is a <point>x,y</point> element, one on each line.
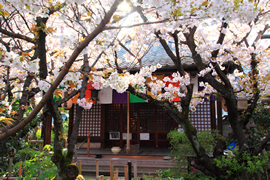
<point>48,128</point>
<point>115,174</point>
<point>71,121</point>
<point>129,170</point>
<point>111,170</point>
<point>40,145</point>
<point>20,168</point>
<point>138,127</point>
<point>121,119</point>
<point>128,140</point>
<point>80,167</point>
<point>10,167</point>
<point>219,114</point>
<point>135,169</point>
<point>213,114</point>
<point>102,133</point>
<point>97,169</point>
<point>88,144</point>
<point>156,128</point>
<point>126,172</point>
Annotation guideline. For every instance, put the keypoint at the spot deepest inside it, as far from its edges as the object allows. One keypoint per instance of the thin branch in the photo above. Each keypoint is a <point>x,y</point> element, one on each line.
<point>177,51</point>
<point>5,44</point>
<point>262,145</point>
<point>135,25</point>
<point>166,48</point>
<point>25,22</point>
<point>220,73</point>
<point>62,74</point>
<point>139,10</point>
<point>6,130</point>
<point>19,36</point>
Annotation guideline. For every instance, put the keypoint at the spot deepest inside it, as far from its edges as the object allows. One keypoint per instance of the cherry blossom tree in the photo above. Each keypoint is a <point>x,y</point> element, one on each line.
<point>46,45</point>
<point>33,38</point>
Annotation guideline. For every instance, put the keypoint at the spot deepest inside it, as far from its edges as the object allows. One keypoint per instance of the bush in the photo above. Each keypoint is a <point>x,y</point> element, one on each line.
<point>181,148</point>
<point>35,163</point>
<point>239,166</point>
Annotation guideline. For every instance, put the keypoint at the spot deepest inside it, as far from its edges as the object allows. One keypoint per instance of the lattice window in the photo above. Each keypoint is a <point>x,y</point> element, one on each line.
<point>134,118</point>
<point>91,120</point>
<point>201,118</point>
<point>147,115</point>
<point>113,117</point>
<point>164,120</point>
<point>147,118</point>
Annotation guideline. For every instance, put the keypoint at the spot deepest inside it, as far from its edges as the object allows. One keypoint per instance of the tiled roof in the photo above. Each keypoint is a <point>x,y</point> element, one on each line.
<point>156,55</point>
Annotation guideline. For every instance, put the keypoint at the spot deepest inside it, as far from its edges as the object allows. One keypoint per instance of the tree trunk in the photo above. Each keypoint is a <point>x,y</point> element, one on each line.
<point>65,170</point>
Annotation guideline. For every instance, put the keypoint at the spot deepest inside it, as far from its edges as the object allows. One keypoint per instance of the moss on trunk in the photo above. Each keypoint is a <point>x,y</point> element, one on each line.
<point>65,169</point>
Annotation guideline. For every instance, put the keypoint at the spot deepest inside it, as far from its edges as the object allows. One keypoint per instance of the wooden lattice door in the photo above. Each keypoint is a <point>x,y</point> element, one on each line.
<point>201,118</point>
<point>90,122</point>
<point>145,118</point>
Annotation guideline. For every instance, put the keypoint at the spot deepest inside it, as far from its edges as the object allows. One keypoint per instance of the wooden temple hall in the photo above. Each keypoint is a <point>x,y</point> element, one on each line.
<point>109,122</point>
<point>124,119</point>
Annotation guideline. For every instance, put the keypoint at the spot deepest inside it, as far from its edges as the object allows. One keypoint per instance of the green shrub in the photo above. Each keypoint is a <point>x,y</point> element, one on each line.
<point>35,163</point>
<point>181,148</point>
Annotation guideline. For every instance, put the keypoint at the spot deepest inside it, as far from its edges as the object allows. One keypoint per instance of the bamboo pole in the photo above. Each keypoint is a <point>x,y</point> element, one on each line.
<point>88,144</point>
<point>80,167</point>
<point>111,170</point>
<point>97,169</point>
<point>128,140</point>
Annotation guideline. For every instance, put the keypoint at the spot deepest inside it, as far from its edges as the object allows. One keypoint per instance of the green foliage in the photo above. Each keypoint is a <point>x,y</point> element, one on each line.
<point>244,166</point>
<point>166,173</point>
<point>25,154</point>
<point>16,142</point>
<point>8,149</point>
<point>151,177</point>
<point>36,163</point>
<point>262,120</point>
<point>181,148</point>
<point>38,134</point>
<point>239,166</point>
